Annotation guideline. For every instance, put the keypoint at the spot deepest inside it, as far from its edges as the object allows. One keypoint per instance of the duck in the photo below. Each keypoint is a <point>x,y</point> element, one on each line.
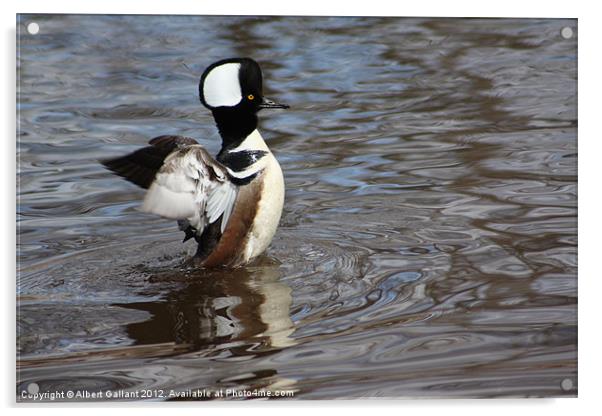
<point>229,204</point>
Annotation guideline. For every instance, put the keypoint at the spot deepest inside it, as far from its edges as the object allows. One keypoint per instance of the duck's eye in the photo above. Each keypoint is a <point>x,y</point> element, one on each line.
<point>251,97</point>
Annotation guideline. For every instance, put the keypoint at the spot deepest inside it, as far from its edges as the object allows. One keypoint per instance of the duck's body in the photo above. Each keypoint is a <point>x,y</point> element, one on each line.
<point>231,204</point>
<point>263,196</point>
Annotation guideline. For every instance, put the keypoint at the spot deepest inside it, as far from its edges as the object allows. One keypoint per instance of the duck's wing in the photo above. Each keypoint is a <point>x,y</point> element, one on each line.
<point>184,181</point>
<point>141,166</point>
<point>192,185</point>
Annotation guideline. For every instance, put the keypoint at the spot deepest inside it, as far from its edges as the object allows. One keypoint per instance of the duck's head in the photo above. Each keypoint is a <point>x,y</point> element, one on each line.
<point>234,84</point>
<point>233,90</point>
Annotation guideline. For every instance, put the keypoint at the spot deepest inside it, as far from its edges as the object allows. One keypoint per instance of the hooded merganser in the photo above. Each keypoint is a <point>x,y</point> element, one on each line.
<point>230,205</point>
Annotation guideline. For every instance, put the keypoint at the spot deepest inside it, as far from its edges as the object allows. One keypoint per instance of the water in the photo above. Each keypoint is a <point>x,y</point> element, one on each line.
<point>428,242</point>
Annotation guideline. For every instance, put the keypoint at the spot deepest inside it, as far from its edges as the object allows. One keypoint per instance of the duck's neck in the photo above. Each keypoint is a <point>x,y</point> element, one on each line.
<point>247,156</point>
<point>234,126</point>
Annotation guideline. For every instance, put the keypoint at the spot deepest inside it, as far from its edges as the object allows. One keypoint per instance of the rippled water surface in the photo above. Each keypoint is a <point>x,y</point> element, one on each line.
<point>428,242</point>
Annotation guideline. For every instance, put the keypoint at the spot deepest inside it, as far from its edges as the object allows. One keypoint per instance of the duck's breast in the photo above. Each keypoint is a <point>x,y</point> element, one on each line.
<point>269,209</point>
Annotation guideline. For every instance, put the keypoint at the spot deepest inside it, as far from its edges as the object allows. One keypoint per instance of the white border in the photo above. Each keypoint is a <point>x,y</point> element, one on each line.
<point>590,277</point>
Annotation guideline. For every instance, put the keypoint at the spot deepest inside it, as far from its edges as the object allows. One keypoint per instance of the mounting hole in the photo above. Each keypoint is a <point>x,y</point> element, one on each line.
<point>566,32</point>
<point>566,384</point>
<point>33,28</point>
<point>33,388</point>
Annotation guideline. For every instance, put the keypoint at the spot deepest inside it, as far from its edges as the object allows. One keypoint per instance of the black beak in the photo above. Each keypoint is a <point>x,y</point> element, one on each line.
<point>267,103</point>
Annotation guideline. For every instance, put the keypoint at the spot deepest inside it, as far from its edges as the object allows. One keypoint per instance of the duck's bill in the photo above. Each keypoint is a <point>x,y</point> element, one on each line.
<point>267,103</point>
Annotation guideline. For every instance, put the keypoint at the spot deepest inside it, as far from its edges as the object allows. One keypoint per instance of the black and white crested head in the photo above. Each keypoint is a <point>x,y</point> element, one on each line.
<point>233,90</point>
<point>225,83</point>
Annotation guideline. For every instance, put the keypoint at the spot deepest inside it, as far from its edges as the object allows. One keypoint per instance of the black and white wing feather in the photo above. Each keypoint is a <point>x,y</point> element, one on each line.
<point>141,166</point>
<point>192,185</point>
<point>184,181</point>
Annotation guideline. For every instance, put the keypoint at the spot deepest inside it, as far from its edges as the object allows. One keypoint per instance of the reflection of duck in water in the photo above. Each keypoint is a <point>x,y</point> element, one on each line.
<point>242,314</point>
<point>240,307</point>
<point>230,205</point>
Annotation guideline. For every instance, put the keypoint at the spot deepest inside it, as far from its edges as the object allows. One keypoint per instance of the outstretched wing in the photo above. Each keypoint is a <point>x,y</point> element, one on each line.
<point>141,166</point>
<point>192,185</point>
<point>183,180</point>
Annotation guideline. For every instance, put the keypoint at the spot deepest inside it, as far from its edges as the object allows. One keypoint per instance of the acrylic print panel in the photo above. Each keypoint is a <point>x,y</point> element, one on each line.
<point>427,244</point>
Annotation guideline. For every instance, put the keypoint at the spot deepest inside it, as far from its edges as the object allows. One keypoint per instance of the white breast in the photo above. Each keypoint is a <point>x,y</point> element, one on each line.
<point>269,209</point>
<point>271,200</point>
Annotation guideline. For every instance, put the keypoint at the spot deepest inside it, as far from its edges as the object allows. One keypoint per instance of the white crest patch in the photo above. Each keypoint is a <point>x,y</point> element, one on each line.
<point>221,86</point>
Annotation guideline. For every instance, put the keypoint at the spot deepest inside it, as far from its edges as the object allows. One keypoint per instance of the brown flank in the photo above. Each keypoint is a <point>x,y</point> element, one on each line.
<point>230,248</point>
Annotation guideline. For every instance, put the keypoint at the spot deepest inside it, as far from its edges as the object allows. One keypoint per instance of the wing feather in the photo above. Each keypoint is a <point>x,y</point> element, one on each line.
<point>184,181</point>
<point>192,185</point>
<point>141,166</point>
<point>168,203</point>
<point>229,206</point>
